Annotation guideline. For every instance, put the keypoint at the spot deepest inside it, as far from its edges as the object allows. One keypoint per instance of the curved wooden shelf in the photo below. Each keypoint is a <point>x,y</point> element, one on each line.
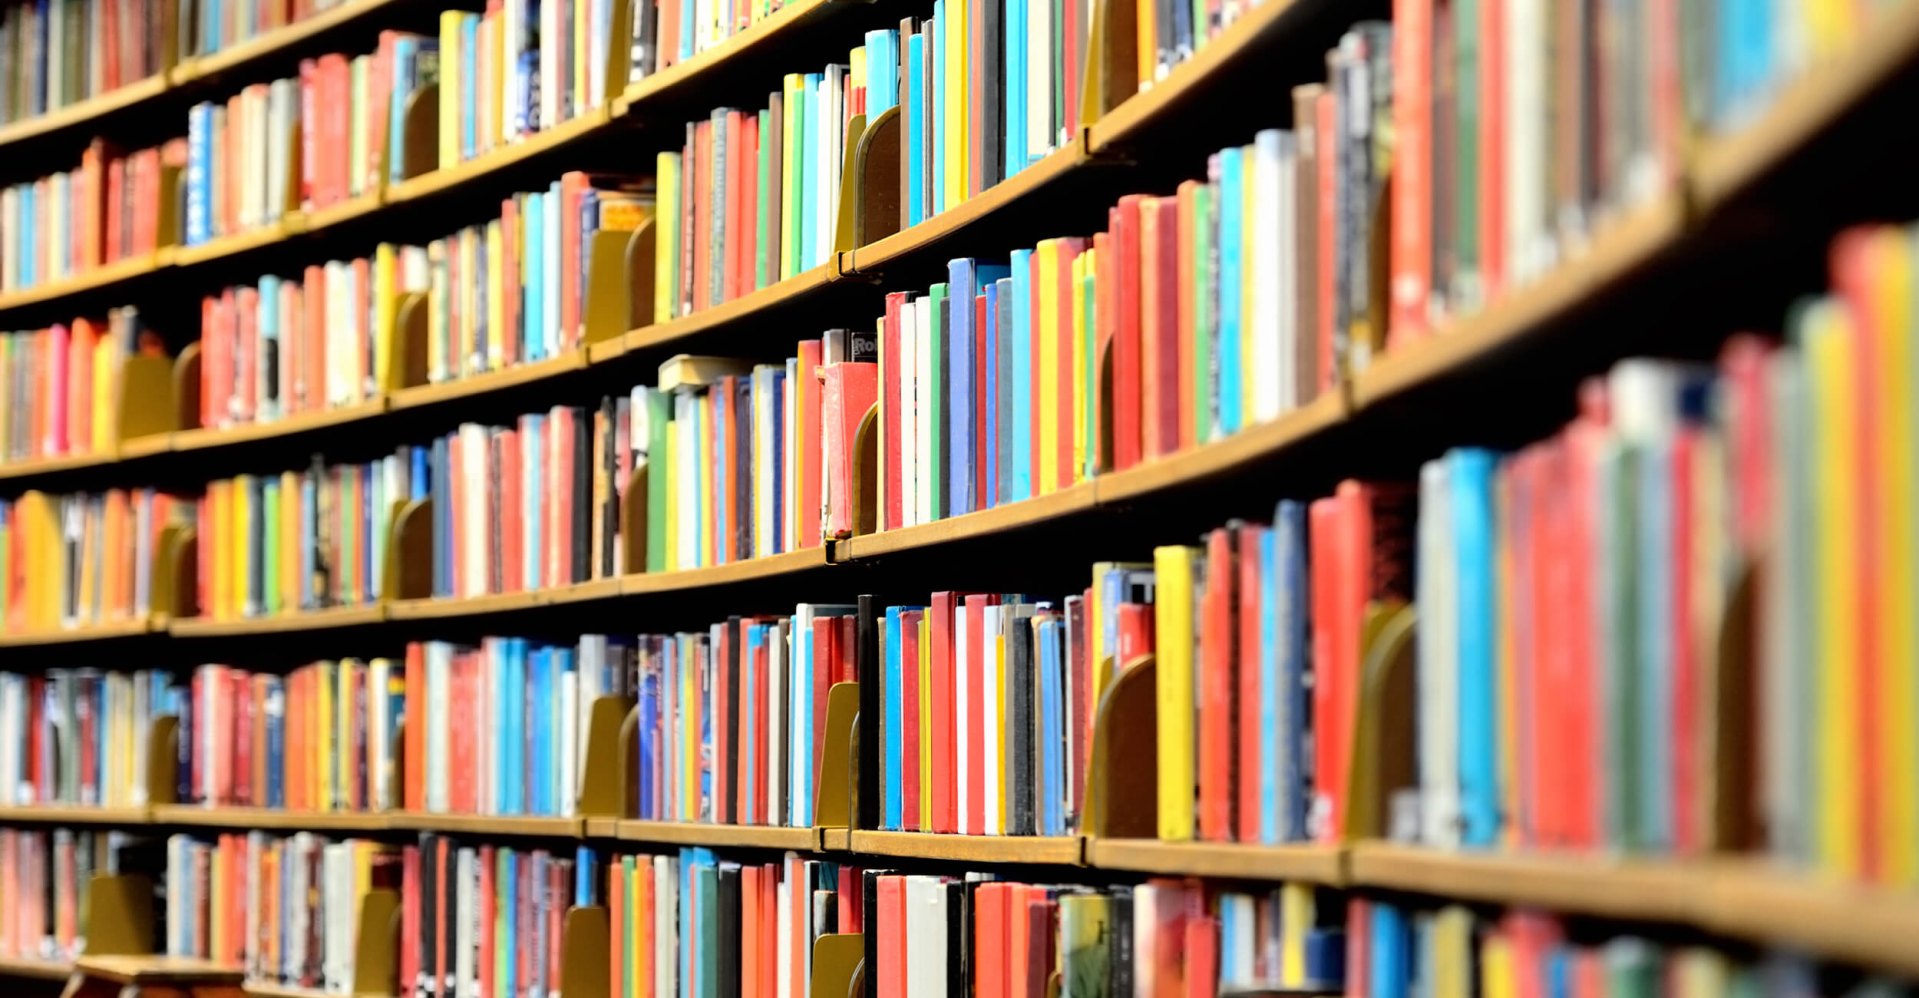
<point>437,182</point>
<point>1871,926</point>
<point>346,211</point>
<point>698,834</point>
<point>1308,862</point>
<point>1044,850</point>
<point>1025,513</point>
<point>52,465</point>
<point>72,814</point>
<point>298,423</point>
<point>270,43</point>
<point>739,47</point>
<point>202,816</point>
<point>435,608</point>
<point>236,243</point>
<point>92,632</point>
<point>744,308</point>
<point>482,384</point>
<point>487,824</point>
<point>744,570</point>
<point>306,620</point>
<point>1255,443</point>
<point>35,969</point>
<point>81,112</point>
<point>871,259</point>
<point>100,277</point>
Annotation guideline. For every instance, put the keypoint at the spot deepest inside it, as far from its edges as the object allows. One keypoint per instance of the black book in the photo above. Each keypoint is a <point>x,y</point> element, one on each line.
<point>958,933</point>
<point>1119,948</point>
<point>869,921</point>
<point>448,889</point>
<point>582,496</point>
<point>1019,720</point>
<point>991,97</point>
<point>729,919</point>
<point>609,511</point>
<point>423,982</point>
<point>727,807</point>
<point>866,662</point>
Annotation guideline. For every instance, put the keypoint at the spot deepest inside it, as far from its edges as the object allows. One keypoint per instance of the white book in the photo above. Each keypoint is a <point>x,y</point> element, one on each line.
<point>1437,669</point>
<point>1040,131</point>
<point>666,881</point>
<point>567,749</point>
<point>926,958</point>
<point>466,983</point>
<point>777,728</point>
<point>1786,606</point>
<point>439,690</point>
<point>802,727</point>
<point>1237,965</point>
<point>963,709</point>
<point>783,987</point>
<point>1145,941</point>
<point>909,414</point>
<point>990,695</point>
<point>926,366</point>
<point>1527,238</point>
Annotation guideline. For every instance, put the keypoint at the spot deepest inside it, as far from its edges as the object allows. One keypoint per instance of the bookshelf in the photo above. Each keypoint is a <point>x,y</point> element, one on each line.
<point>1735,898</point>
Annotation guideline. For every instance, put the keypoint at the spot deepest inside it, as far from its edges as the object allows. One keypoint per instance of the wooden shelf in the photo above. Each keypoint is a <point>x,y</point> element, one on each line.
<point>726,56</point>
<point>70,635</point>
<point>87,281</point>
<point>270,43</point>
<point>40,970</point>
<point>304,422</point>
<point>697,834</point>
<point>84,111</point>
<point>342,213</point>
<point>1255,443</point>
<point>201,816</point>
<point>435,608</point>
<point>1870,926</point>
<point>745,570</point>
<point>491,381</point>
<point>1013,192</point>
<point>137,969</point>
<point>487,824</point>
<point>744,308</point>
<point>1600,886</point>
<point>442,181</point>
<point>1064,850</point>
<point>237,243</point>
<point>51,465</point>
<point>270,989</point>
<point>1311,863</point>
<point>1018,515</point>
<point>72,814</point>
<point>309,620</point>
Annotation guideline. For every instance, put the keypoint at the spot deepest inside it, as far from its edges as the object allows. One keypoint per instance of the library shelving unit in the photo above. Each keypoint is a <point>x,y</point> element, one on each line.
<point>1633,255</point>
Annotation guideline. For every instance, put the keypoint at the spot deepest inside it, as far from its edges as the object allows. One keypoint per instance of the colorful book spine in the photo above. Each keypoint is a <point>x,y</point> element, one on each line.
<point>81,735</point>
<point>105,210</point>
<point>44,877</point>
<point>487,918</point>
<point>521,68</point>
<point>59,386</point>
<point>80,560</point>
<point>63,52</point>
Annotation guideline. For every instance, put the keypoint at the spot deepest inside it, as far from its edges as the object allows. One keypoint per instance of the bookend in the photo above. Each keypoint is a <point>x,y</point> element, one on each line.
<point>849,176</point>
<point>408,572</point>
<point>145,406</point>
<point>376,950</point>
<point>186,388</point>
<point>1732,779</point>
<point>172,220</point>
<point>404,366</point>
<point>120,914</point>
<point>866,473</point>
<point>163,761</point>
<point>603,779</point>
<point>585,970</point>
<point>1112,64</point>
<point>619,282</point>
<point>1384,758</point>
<point>175,593</point>
<point>833,784</point>
<point>873,171</point>
<point>420,135</point>
<point>633,525</point>
<point>1122,772</point>
<point>838,959</point>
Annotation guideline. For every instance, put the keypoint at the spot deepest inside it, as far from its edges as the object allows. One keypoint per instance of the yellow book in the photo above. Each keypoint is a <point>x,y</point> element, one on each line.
<point>1703,972</point>
<point>450,22</point>
<point>1829,354</point>
<point>1146,40</point>
<point>1173,569</point>
<point>666,236</point>
<point>1082,329</point>
<point>1452,951</point>
<point>244,550</point>
<point>44,567</point>
<point>1296,919</point>
<point>953,121</point>
<point>106,362</point>
<point>222,518</point>
<point>856,68</point>
<point>582,19</point>
<point>386,281</point>
<point>1046,371</point>
<point>926,723</point>
<point>690,751</point>
<point>639,884</point>
<point>1892,290</point>
<point>1498,977</point>
<point>496,291</point>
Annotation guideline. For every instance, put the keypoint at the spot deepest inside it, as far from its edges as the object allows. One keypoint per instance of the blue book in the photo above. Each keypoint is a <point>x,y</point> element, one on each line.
<point>1390,975</point>
<point>1295,668</point>
<point>1469,472</point>
<point>648,745</point>
<point>912,119</point>
<point>893,819</point>
<point>882,71</point>
<point>1326,956</point>
<point>515,748</point>
<point>1229,394</point>
<point>1015,102</point>
<point>1003,394</point>
<point>419,472</point>
<point>1022,351</point>
<point>535,264</point>
<point>959,388</point>
<point>442,525</point>
<point>199,194</point>
<point>1051,709</point>
<point>1272,700</point>
<point>750,694</point>
<point>565,671</point>
<point>801,779</point>
<point>586,876</point>
<point>469,50</point>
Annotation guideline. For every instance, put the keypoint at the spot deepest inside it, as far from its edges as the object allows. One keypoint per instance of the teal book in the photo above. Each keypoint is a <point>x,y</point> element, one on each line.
<point>1232,210</point>
<point>1470,474</point>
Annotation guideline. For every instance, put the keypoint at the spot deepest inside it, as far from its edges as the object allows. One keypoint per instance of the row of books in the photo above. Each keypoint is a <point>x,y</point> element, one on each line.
<point>301,540</point>
<point>57,53</point>
<point>352,116</point>
<point>519,68</point>
<point>487,919</point>
<point>753,195</point>
<point>80,736</point>
<point>44,873</point>
<point>319,738</point>
<point>285,909</point>
<point>77,560</point>
<point>239,177</point>
<point>104,210</point>
<point>208,26</point>
<point>60,386</point>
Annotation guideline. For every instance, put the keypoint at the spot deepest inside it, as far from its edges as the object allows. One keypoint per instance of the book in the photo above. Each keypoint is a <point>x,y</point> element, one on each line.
<point>103,210</point>
<point>64,52</point>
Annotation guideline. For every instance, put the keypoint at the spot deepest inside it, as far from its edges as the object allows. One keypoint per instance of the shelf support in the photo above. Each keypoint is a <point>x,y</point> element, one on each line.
<point>1122,773</point>
<point>838,961</point>
<point>1384,751</point>
<point>604,783</point>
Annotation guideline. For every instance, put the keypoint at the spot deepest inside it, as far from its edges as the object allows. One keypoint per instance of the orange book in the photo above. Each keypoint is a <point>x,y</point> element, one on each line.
<point>1189,223</point>
<point>1410,256</point>
<point>1159,325</point>
<point>737,218</point>
<point>751,945</point>
<point>891,982</point>
<point>1216,688</point>
<point>989,940</point>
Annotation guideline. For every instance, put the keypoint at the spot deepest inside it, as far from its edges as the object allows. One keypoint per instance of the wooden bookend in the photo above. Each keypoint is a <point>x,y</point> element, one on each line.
<point>395,774</point>
<point>878,209</point>
<point>1112,62</point>
<point>619,50</point>
<point>172,227</point>
<point>833,784</point>
<point>294,137</point>
<point>603,777</point>
<point>1103,454</point>
<point>1384,759</point>
<point>408,572</point>
<point>837,957</point>
<point>420,140</point>
<point>585,940</point>
<point>633,513</point>
<point>145,407</point>
<point>866,472</point>
<point>1052,984</point>
<point>376,951</point>
<point>619,282</point>
<point>629,749</point>
<point>120,915</point>
<point>849,181</point>
<point>1122,773</point>
<point>1732,774</point>
<point>174,585</point>
<point>405,362</point>
<point>1369,329</point>
<point>186,388</point>
<point>163,761</point>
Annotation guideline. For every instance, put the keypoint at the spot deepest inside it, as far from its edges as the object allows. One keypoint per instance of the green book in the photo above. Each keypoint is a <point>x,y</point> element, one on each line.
<point>1084,941</point>
<point>1205,292</point>
<point>706,893</point>
<point>765,203</point>
<point>270,572</point>
<point>1618,484</point>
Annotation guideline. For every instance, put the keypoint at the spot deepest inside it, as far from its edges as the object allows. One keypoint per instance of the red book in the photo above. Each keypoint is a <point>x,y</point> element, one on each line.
<point>1037,406</point>
<point>1202,957</point>
<point>511,302</point>
<point>1216,689</point>
<point>826,649</point>
<point>989,939</point>
<point>1578,545</point>
<point>808,460</point>
<point>724,803</point>
<point>1159,325</point>
<point>851,898</point>
<point>1042,914</point>
<point>761,723</point>
<point>891,982</point>
<point>414,794</point>
<point>1326,518</point>
<point>1019,944</point>
<point>910,694</point>
<point>940,699</point>
<point>409,915</point>
<point>973,822</point>
<point>488,892</point>
<point>894,484</point>
<point>735,219</point>
<point>746,239</point>
<point>1855,274</point>
<point>1069,251</point>
<point>513,502</point>
<point>1410,257</point>
<point>702,199</point>
<point>1250,594</point>
<point>1187,388</point>
<point>750,943</point>
<point>848,663</point>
